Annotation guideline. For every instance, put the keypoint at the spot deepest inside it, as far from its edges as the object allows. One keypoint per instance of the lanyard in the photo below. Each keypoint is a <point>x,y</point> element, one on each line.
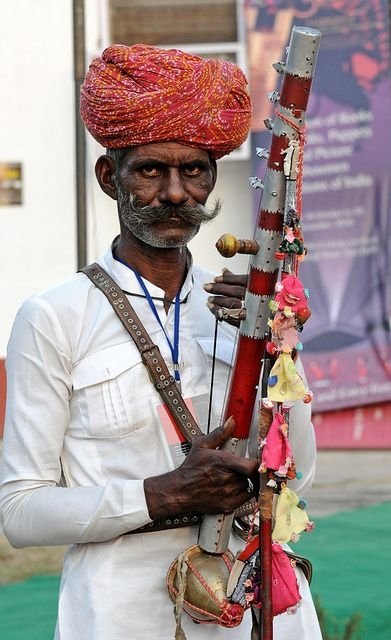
<point>174,346</point>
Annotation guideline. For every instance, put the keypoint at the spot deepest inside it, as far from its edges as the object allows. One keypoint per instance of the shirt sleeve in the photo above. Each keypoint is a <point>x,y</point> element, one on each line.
<point>301,438</point>
<point>35,509</point>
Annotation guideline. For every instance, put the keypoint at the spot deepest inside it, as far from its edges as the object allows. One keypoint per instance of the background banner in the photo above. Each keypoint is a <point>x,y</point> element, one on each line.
<point>347,188</point>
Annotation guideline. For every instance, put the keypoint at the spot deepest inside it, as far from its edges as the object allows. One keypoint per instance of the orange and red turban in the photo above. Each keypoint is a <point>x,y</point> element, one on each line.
<point>137,95</point>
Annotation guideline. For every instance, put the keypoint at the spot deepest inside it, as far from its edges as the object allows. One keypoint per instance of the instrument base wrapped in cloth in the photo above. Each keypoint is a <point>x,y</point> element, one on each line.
<point>197,584</point>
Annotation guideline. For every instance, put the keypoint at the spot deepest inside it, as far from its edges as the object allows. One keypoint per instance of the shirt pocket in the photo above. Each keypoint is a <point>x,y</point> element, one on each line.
<point>104,384</point>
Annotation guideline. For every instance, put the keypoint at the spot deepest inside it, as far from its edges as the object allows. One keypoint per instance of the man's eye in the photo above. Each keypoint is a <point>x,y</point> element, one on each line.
<point>192,170</point>
<point>151,171</point>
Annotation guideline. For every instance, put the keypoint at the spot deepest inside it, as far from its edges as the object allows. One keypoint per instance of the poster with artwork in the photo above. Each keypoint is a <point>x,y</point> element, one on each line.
<point>347,188</point>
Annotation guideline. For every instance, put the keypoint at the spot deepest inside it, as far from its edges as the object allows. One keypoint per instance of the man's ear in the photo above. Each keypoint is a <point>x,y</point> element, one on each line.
<point>214,171</point>
<point>104,171</point>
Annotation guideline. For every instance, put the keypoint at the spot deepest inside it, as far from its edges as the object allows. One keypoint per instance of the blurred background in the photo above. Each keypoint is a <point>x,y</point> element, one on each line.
<point>55,219</point>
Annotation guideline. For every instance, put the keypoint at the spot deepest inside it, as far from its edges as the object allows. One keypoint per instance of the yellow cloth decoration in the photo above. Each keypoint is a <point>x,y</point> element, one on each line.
<point>290,520</point>
<point>289,385</point>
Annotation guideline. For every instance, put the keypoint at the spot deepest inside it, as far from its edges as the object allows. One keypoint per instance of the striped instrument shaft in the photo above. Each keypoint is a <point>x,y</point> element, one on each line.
<point>286,126</point>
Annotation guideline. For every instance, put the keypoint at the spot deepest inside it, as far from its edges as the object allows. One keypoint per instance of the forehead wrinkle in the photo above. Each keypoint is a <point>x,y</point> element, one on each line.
<point>170,153</point>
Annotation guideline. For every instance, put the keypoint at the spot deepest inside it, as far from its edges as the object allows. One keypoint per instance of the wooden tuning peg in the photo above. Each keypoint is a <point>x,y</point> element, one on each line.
<point>228,246</point>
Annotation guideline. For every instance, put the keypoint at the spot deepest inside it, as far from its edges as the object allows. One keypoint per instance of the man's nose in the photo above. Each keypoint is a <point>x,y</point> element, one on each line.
<point>173,188</point>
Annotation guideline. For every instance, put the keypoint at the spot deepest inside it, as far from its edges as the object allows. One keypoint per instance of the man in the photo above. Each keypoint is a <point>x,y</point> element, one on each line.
<point>87,455</point>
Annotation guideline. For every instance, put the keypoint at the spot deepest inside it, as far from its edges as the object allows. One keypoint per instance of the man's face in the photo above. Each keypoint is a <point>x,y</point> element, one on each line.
<point>161,191</point>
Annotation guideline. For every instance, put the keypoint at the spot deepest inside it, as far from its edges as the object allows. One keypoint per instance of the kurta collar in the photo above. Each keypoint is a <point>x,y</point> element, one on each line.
<point>126,279</point>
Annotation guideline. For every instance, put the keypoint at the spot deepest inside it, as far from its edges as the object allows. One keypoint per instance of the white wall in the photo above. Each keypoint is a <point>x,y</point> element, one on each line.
<point>37,238</point>
<point>235,217</point>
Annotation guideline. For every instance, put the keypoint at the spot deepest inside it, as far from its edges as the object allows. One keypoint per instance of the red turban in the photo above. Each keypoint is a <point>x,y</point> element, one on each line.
<point>137,95</point>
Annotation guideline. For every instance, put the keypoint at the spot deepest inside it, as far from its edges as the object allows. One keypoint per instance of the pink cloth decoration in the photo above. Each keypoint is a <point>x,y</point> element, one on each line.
<point>292,295</point>
<point>285,591</point>
<point>277,452</point>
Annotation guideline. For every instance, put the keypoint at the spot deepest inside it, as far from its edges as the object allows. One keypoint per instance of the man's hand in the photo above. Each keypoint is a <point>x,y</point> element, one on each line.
<point>209,480</point>
<point>229,290</point>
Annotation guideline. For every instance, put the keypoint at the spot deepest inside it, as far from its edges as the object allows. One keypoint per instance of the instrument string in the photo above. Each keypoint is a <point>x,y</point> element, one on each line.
<point>212,377</point>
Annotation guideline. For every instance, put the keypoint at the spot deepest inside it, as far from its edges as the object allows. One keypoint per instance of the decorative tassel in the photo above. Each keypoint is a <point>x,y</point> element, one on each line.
<point>178,606</point>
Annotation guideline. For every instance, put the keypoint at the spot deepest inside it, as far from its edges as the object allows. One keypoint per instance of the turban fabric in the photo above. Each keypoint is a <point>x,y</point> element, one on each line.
<point>142,94</point>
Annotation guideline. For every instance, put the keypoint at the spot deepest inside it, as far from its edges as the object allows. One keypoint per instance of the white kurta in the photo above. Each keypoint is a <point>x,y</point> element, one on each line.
<point>81,436</point>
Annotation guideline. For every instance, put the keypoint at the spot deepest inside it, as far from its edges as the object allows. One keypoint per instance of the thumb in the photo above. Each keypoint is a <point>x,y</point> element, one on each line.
<point>224,272</point>
<point>218,436</point>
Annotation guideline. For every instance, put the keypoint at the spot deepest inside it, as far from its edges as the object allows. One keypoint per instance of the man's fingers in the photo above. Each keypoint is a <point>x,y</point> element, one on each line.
<point>228,309</point>
<point>230,291</point>
<point>228,284</point>
<point>218,436</point>
<point>244,466</point>
<point>247,467</point>
<point>227,277</point>
<point>223,301</point>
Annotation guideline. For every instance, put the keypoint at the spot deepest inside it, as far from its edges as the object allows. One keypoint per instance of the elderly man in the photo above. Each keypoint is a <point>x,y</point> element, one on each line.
<point>88,456</point>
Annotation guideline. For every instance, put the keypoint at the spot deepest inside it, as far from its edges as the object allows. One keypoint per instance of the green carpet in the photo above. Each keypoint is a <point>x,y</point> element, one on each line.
<point>28,610</point>
<point>350,553</point>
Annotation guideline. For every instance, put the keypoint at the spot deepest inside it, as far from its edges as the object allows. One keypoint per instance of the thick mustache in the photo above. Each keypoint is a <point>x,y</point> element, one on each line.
<point>148,215</point>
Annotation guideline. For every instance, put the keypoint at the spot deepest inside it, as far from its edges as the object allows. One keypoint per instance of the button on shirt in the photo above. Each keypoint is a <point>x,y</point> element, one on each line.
<point>80,437</point>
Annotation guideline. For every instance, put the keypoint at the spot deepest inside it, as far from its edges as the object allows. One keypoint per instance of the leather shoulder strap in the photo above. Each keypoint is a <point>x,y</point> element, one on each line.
<point>163,381</point>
